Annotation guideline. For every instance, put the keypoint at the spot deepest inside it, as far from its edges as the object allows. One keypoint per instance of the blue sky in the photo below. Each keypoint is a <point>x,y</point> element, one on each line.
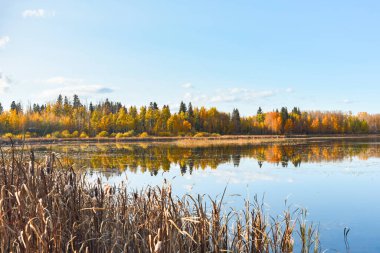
<point>312,54</point>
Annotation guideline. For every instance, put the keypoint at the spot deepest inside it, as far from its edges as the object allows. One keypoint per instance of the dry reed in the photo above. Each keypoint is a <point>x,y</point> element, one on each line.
<point>45,207</point>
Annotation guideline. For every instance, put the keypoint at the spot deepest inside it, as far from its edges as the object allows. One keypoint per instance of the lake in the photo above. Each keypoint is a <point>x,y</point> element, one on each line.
<point>336,181</point>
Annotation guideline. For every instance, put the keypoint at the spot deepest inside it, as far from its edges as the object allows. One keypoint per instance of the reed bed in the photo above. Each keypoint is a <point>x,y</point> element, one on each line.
<point>48,207</point>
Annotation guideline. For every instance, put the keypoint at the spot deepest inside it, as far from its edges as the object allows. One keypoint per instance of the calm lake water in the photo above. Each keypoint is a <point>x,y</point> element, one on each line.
<point>338,182</point>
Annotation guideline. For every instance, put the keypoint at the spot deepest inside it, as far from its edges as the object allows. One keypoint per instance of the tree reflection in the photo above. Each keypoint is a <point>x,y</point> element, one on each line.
<point>135,158</point>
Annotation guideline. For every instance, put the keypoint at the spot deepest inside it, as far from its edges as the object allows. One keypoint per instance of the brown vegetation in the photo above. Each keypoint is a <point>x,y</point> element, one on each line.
<point>210,140</point>
<point>47,208</point>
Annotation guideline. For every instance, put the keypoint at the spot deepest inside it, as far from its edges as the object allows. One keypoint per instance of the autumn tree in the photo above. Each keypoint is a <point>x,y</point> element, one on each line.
<point>273,122</point>
<point>260,115</point>
<point>61,117</point>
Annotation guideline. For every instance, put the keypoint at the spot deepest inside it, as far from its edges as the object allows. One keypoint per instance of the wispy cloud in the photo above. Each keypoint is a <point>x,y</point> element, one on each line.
<point>241,176</point>
<point>71,86</point>
<point>348,101</point>
<point>5,82</point>
<point>289,90</point>
<point>234,95</point>
<point>83,90</point>
<point>64,80</point>
<point>4,40</point>
<point>37,13</point>
<point>187,85</point>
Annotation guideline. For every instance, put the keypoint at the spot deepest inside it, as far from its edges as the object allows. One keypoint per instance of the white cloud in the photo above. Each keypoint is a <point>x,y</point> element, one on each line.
<point>348,101</point>
<point>233,95</point>
<point>5,82</point>
<point>4,40</point>
<point>189,96</point>
<point>71,86</point>
<point>289,90</point>
<point>82,90</point>
<point>188,187</point>
<point>241,176</point>
<point>37,13</point>
<point>64,80</point>
<point>187,85</point>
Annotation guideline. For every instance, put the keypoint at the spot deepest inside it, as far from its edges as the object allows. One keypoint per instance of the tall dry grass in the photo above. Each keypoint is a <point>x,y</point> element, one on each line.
<point>45,207</point>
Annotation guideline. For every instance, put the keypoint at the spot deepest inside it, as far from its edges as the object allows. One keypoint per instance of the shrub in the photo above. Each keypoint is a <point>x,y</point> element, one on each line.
<point>75,134</point>
<point>56,134</point>
<point>20,136</point>
<point>164,134</point>
<point>201,134</point>
<point>102,134</point>
<point>66,134</point>
<point>33,135</point>
<point>144,135</point>
<point>48,136</point>
<point>113,135</point>
<point>8,135</point>
<point>126,134</point>
<point>119,135</point>
<point>27,135</point>
<point>83,135</point>
<point>129,133</point>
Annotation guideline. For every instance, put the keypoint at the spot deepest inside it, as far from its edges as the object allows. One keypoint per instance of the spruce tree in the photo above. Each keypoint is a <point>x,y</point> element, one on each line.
<point>76,101</point>
<point>182,107</point>
<point>190,111</point>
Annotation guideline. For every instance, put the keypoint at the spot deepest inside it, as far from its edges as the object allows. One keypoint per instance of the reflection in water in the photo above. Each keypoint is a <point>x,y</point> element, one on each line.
<point>326,180</point>
<point>116,158</point>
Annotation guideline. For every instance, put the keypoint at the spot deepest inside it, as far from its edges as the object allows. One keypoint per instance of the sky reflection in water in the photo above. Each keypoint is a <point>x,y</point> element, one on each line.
<point>338,182</point>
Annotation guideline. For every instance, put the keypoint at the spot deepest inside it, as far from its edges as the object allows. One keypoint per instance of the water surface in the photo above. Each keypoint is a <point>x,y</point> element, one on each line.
<point>338,182</point>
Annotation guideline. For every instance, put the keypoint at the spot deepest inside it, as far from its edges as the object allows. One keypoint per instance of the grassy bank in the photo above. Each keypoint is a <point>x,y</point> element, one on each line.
<point>214,140</point>
<point>47,208</point>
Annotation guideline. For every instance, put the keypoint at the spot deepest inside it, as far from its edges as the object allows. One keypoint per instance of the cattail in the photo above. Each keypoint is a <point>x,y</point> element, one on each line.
<point>107,190</point>
<point>18,193</point>
<point>68,189</point>
<point>158,247</point>
<point>71,178</point>
<point>31,167</point>
<point>94,201</point>
<point>61,211</point>
<point>48,163</point>
<point>21,238</point>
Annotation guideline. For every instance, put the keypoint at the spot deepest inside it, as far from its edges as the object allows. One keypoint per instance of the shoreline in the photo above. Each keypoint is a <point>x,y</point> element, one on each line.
<point>224,139</point>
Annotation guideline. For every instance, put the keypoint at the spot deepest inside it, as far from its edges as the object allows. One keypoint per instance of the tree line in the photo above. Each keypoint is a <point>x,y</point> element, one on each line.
<point>67,117</point>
